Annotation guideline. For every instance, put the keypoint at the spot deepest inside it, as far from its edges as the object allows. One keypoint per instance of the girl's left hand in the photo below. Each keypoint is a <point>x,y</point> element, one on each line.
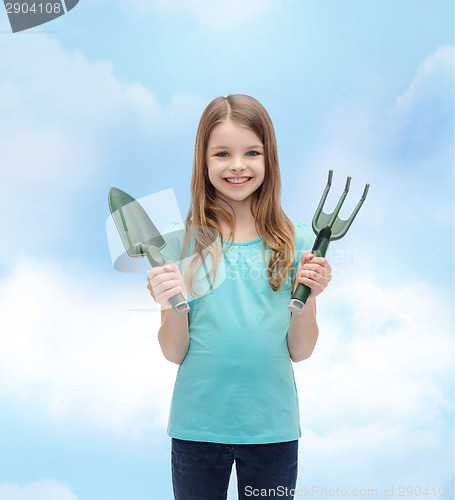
<point>314,272</point>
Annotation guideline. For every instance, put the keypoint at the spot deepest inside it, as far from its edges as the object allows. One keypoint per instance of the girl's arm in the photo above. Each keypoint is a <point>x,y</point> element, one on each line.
<point>303,332</point>
<point>173,336</point>
<point>316,273</point>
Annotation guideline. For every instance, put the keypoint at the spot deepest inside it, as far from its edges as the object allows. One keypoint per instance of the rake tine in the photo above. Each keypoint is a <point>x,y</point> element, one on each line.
<point>321,203</point>
<point>338,207</point>
<point>348,222</point>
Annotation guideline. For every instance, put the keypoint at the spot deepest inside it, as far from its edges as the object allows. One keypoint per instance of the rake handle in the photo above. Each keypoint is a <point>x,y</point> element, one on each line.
<point>178,302</point>
<point>302,292</point>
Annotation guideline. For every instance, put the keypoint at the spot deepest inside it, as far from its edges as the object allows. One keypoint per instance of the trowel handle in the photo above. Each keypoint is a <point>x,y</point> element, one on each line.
<point>155,258</point>
<point>301,293</point>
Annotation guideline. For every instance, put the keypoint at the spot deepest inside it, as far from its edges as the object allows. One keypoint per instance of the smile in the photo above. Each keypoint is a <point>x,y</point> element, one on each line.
<point>240,181</point>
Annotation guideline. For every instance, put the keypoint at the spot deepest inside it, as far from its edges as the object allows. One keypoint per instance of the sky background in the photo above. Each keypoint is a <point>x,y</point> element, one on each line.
<point>110,94</point>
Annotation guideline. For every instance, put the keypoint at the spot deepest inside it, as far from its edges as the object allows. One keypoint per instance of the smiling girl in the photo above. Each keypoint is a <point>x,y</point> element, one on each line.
<point>235,397</point>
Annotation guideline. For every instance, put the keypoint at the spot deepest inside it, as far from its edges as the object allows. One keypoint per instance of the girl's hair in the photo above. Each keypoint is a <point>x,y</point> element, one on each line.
<point>272,224</point>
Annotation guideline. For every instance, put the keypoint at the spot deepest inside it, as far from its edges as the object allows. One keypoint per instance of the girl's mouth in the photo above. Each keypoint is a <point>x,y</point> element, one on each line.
<point>235,182</point>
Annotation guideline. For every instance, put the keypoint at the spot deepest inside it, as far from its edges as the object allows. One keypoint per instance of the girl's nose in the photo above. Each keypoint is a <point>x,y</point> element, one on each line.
<point>237,163</point>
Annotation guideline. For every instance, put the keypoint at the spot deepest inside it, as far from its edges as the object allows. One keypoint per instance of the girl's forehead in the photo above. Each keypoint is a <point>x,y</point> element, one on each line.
<point>229,131</point>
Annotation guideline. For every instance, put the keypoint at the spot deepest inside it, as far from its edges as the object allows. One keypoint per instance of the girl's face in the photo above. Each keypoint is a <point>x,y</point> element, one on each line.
<point>235,153</point>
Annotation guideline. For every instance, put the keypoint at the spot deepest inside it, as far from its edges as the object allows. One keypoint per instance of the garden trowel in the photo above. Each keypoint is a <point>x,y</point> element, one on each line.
<point>140,236</point>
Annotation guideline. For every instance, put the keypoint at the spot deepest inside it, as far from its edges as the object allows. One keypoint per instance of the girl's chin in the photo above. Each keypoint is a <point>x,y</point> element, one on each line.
<point>229,196</point>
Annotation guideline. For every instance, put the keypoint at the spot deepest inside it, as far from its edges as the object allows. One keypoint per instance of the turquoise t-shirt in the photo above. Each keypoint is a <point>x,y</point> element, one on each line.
<point>236,384</point>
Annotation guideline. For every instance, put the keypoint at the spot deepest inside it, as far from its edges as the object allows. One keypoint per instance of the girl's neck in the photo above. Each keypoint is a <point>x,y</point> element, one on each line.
<point>245,228</point>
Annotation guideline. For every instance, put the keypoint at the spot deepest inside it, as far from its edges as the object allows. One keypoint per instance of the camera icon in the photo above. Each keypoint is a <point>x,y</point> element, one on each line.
<point>26,14</point>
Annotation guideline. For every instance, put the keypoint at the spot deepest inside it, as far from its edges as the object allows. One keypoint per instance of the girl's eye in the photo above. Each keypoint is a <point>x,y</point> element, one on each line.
<point>223,154</point>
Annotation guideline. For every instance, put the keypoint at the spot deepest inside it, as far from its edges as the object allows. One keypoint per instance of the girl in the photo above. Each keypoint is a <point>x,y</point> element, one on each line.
<point>235,398</point>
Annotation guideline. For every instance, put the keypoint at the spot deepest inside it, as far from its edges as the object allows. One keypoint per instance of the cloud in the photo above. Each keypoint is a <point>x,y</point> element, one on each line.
<point>420,121</point>
<point>376,395</point>
<point>39,490</point>
<point>72,348</point>
<point>405,152</point>
<point>67,123</point>
<point>377,456</point>
<point>416,130</point>
<point>377,388</point>
<point>430,87</point>
<point>64,117</point>
<point>60,110</point>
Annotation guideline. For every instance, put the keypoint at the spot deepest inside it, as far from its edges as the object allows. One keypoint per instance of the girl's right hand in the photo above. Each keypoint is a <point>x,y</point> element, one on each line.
<point>165,282</point>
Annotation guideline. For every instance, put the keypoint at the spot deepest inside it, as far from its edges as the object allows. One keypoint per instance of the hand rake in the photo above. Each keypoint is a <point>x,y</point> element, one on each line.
<point>327,227</point>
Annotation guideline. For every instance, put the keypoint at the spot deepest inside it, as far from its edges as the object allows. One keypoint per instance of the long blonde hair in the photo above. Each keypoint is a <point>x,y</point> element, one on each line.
<point>272,224</point>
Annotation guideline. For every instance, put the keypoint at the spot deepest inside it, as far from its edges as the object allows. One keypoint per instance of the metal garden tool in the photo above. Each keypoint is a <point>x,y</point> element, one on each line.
<point>327,227</point>
<point>140,236</point>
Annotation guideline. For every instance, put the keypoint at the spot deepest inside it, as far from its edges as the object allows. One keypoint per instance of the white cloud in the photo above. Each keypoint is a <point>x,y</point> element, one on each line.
<point>376,456</point>
<point>58,110</point>
<point>420,123</point>
<point>63,114</point>
<point>405,152</point>
<point>431,87</point>
<point>376,390</point>
<point>66,124</point>
<point>422,113</point>
<point>376,395</point>
<point>39,490</point>
<point>73,348</point>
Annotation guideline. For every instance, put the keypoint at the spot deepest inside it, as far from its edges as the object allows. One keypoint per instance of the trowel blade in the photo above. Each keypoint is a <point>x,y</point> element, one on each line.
<point>133,223</point>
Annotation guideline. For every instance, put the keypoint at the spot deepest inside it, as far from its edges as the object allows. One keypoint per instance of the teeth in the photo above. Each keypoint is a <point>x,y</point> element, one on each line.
<point>238,181</point>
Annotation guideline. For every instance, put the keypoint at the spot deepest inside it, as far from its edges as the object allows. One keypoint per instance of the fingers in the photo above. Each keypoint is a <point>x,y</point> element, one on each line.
<point>158,274</point>
<point>319,264</point>
<point>150,289</point>
<point>307,256</point>
<point>314,276</point>
<point>168,266</point>
<point>164,282</point>
<point>162,287</point>
<point>169,289</point>
<point>315,272</point>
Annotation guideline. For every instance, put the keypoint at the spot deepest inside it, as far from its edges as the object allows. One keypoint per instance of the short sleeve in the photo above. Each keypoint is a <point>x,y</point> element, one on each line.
<point>304,240</point>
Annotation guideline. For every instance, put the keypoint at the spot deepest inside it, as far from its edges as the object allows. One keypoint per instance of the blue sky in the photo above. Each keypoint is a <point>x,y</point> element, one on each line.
<point>110,94</point>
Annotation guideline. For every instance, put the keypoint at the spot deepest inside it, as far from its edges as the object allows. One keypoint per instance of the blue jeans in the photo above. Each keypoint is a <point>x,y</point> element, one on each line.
<point>201,471</point>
